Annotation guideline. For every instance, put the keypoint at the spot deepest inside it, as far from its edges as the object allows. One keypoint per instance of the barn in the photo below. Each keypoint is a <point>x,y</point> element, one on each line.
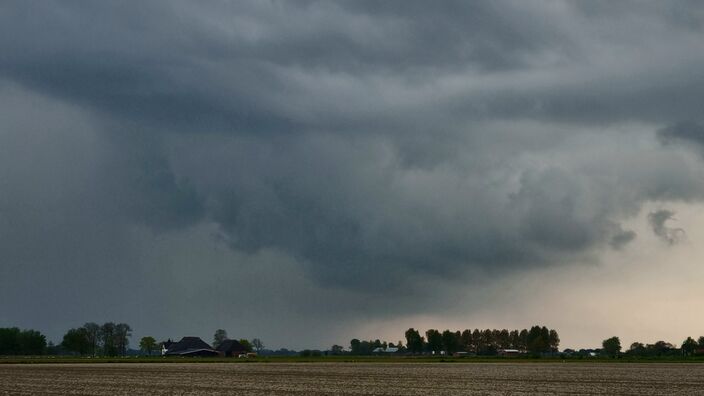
<point>190,346</point>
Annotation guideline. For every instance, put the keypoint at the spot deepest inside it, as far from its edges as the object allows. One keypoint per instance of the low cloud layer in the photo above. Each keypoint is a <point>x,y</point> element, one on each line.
<point>364,149</point>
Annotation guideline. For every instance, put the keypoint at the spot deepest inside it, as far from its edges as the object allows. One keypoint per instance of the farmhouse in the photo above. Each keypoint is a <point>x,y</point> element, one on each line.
<point>189,346</point>
<point>230,348</point>
<point>165,346</point>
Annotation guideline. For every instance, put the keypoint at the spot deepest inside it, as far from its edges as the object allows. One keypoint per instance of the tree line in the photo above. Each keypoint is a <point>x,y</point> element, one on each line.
<point>536,340</point>
<point>358,347</point>
<point>14,341</point>
<point>108,339</point>
<point>92,339</point>
<point>689,347</point>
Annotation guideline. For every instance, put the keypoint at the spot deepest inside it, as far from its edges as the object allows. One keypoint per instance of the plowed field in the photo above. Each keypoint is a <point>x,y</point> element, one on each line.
<point>353,379</point>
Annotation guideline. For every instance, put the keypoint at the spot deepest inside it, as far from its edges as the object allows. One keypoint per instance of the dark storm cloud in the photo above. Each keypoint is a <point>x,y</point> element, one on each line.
<point>683,132</point>
<point>257,67</point>
<point>144,185</point>
<point>374,145</point>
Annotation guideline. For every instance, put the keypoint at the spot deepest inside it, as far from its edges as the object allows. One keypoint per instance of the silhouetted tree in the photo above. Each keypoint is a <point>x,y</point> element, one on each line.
<point>147,344</point>
<point>9,341</point>
<point>122,333</point>
<point>477,340</point>
<point>247,346</point>
<point>14,341</point>
<point>414,342</point>
<point>93,334</point>
<point>523,340</point>
<point>76,340</point>
<point>107,339</point>
<point>434,340</point>
<point>466,340</point>
<point>515,338</point>
<point>32,342</point>
<point>504,339</point>
<point>689,346</point>
<point>637,349</point>
<point>450,341</point>
<point>612,346</point>
<point>355,346</point>
<point>660,348</point>
<point>553,341</point>
<point>537,342</point>
<point>336,350</point>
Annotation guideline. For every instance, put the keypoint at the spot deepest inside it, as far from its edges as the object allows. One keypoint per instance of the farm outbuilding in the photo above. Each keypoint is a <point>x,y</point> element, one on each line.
<point>230,348</point>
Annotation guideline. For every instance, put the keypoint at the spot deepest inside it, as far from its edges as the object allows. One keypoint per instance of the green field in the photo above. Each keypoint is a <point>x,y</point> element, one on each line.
<point>339,359</point>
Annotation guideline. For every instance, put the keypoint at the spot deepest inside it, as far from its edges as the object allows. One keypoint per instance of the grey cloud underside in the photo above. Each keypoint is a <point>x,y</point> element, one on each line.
<point>683,132</point>
<point>374,143</point>
<point>256,68</point>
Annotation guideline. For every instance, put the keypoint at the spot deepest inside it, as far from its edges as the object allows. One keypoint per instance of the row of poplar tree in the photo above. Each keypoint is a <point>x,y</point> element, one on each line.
<point>537,339</point>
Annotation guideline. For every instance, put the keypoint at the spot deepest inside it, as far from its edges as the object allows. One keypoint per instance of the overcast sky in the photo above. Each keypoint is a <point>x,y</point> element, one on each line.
<point>307,172</point>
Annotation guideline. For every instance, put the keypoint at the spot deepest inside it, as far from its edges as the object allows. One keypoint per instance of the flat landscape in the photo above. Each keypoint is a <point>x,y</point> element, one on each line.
<point>353,378</point>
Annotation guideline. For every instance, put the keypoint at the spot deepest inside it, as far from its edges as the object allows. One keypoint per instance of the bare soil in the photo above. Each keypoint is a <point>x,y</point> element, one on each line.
<point>352,379</point>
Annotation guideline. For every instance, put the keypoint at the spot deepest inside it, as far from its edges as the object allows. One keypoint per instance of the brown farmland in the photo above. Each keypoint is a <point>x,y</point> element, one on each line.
<point>353,379</point>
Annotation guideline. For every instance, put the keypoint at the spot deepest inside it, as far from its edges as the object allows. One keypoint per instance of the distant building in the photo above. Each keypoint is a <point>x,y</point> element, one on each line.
<point>589,352</point>
<point>381,350</point>
<point>509,352</point>
<point>165,346</point>
<point>231,348</point>
<point>189,346</point>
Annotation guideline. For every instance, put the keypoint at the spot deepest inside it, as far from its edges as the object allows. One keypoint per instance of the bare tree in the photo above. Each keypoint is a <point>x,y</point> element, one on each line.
<point>257,344</point>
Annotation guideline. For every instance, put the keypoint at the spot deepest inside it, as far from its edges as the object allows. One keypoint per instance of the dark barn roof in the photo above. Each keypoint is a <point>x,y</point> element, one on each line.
<point>190,346</point>
<point>229,347</point>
